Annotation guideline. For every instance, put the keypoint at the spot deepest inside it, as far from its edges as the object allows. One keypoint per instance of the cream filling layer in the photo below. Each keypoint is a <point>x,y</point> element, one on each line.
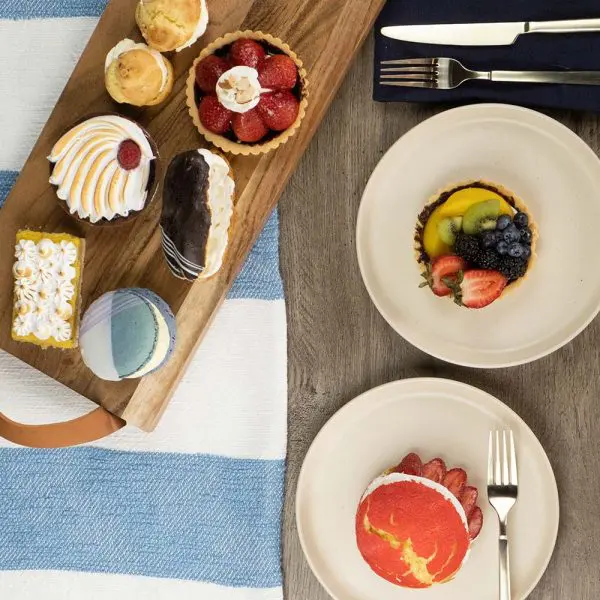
<point>220,195</point>
<point>126,45</point>
<point>163,341</point>
<point>200,28</point>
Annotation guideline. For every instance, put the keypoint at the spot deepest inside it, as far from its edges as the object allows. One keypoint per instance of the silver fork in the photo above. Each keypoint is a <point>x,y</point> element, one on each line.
<point>502,494</point>
<point>448,73</point>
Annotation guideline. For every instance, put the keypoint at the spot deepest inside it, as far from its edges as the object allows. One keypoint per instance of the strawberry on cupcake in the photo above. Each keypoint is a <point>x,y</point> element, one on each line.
<point>247,93</point>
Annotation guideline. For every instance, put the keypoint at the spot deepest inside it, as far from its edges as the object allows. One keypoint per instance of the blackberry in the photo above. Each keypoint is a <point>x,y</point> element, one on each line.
<point>512,268</point>
<point>467,247</point>
<point>487,259</point>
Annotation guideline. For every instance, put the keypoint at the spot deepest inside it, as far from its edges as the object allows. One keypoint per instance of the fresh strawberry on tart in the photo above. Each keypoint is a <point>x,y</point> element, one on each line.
<point>247,92</point>
<point>416,523</point>
<point>474,242</point>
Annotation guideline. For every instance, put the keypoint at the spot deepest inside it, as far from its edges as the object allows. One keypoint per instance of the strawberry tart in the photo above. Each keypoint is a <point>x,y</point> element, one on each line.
<point>416,523</point>
<point>247,92</point>
<point>473,242</point>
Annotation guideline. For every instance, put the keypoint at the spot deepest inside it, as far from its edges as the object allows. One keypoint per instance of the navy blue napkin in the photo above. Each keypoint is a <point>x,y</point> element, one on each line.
<point>530,52</point>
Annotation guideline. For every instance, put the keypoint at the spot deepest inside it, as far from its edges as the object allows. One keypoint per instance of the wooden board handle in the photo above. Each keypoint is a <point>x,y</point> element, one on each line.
<point>90,427</point>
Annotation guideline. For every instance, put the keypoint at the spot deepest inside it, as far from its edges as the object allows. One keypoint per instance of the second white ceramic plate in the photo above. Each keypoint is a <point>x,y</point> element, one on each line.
<point>433,417</point>
<point>544,163</point>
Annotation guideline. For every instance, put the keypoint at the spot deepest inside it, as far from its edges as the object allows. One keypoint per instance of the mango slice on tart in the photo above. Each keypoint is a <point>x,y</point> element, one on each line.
<point>457,205</point>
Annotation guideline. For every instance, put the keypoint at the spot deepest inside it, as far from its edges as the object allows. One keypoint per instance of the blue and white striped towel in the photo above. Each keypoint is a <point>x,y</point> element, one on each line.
<point>191,510</point>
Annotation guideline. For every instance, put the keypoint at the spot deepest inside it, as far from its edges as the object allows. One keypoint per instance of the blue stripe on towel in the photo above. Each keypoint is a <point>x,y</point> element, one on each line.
<point>260,276</point>
<point>50,9</point>
<point>7,180</point>
<point>180,516</point>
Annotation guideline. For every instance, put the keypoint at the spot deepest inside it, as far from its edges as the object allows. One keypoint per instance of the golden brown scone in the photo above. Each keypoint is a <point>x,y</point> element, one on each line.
<point>138,75</point>
<point>171,24</point>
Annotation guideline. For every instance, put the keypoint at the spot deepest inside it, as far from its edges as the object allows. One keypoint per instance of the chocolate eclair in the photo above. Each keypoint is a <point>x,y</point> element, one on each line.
<point>198,202</point>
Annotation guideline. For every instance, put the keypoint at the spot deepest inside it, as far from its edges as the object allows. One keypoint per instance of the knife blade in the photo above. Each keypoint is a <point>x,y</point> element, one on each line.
<point>485,34</point>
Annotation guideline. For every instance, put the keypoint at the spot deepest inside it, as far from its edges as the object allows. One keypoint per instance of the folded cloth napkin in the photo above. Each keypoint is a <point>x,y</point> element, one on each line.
<point>190,511</point>
<point>531,52</point>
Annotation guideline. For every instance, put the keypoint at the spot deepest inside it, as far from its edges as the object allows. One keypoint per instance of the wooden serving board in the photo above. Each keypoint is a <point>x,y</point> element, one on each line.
<point>326,35</point>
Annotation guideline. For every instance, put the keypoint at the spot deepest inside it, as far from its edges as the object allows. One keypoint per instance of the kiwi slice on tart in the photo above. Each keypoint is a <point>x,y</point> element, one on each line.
<point>481,217</point>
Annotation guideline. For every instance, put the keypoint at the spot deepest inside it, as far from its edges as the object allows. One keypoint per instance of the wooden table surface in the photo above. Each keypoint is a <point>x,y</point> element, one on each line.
<point>339,346</point>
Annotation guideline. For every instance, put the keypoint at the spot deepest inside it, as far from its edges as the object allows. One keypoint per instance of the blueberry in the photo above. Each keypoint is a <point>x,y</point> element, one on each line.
<point>521,220</point>
<point>499,236</point>
<point>526,236</point>
<point>526,252</point>
<point>502,248</point>
<point>503,222</point>
<point>515,250</point>
<point>488,240</point>
<point>511,234</point>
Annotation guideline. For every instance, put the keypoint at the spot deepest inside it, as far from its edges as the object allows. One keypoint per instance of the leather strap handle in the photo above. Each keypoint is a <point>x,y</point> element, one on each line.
<point>88,428</point>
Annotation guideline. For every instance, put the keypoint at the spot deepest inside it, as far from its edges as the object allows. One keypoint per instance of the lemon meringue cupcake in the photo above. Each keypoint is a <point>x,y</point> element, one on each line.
<point>138,75</point>
<point>104,170</point>
<point>171,24</point>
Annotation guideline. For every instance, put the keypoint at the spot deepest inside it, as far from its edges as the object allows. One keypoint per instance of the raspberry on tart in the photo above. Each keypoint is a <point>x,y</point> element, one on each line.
<point>248,91</point>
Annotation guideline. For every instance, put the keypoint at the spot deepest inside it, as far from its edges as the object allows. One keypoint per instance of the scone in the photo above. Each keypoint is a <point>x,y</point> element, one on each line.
<point>138,75</point>
<point>171,24</point>
<point>198,204</point>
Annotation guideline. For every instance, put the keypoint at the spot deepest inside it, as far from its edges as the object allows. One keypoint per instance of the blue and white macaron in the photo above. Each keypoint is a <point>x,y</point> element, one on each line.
<point>126,334</point>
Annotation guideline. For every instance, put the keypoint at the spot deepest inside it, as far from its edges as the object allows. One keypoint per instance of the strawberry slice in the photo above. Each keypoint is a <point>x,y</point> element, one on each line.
<point>455,481</point>
<point>278,110</point>
<point>278,72</point>
<point>445,267</point>
<point>248,126</point>
<point>475,522</point>
<point>247,53</point>
<point>480,288</point>
<point>435,470</point>
<point>208,71</point>
<point>468,499</point>
<point>411,465</point>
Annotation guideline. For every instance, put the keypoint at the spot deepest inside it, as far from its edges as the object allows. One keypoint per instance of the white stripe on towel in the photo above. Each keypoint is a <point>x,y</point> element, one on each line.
<point>225,404</point>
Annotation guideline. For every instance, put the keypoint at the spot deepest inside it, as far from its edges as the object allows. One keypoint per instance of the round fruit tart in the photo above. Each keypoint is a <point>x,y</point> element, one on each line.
<point>247,92</point>
<point>416,523</point>
<point>474,241</point>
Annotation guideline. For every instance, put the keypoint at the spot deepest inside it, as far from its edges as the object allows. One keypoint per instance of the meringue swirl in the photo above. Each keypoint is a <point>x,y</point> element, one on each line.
<point>88,174</point>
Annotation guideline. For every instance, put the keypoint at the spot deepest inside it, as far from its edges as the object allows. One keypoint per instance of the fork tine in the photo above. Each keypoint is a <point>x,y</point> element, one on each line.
<point>415,84</point>
<point>491,459</point>
<point>407,70</point>
<point>411,61</point>
<point>513,461</point>
<point>497,470</point>
<point>415,76</point>
<point>505,474</point>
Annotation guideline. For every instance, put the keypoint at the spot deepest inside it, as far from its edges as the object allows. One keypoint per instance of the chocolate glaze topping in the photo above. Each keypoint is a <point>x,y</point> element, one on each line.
<point>186,217</point>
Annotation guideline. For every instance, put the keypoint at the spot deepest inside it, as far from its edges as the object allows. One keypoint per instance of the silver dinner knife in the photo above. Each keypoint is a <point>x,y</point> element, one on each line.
<point>485,34</point>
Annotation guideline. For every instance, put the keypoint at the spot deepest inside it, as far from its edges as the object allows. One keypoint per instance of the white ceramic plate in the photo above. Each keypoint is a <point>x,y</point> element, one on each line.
<point>434,417</point>
<point>557,176</point>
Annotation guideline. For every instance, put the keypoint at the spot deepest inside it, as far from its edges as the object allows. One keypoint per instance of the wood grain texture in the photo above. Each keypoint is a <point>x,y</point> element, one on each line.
<point>339,345</point>
<point>326,34</point>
